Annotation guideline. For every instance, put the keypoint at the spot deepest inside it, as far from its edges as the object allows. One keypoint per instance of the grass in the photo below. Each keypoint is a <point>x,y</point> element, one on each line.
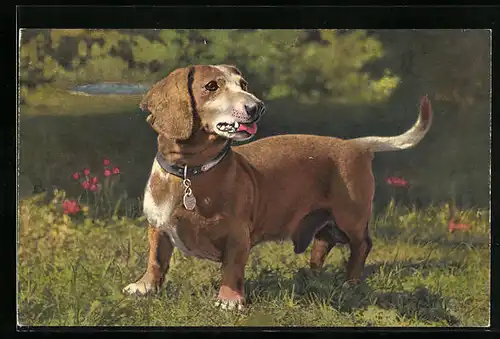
<point>71,272</point>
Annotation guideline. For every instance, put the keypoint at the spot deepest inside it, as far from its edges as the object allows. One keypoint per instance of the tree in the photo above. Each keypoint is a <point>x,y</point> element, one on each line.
<point>281,63</point>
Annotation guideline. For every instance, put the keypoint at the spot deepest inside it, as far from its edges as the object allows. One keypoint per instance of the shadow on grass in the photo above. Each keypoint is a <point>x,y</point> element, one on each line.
<point>328,287</point>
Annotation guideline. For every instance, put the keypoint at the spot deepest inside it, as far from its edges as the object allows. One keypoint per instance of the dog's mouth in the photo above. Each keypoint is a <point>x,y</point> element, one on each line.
<point>248,129</point>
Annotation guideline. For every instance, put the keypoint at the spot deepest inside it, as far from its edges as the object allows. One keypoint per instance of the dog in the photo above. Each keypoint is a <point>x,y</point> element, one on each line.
<point>216,202</point>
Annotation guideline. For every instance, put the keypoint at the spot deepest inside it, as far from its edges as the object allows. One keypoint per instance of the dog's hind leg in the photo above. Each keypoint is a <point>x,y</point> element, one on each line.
<point>322,245</point>
<point>160,252</point>
<point>324,241</point>
<point>308,227</point>
<point>360,244</point>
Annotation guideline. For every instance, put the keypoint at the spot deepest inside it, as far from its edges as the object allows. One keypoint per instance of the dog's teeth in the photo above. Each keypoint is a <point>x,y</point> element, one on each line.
<point>228,128</point>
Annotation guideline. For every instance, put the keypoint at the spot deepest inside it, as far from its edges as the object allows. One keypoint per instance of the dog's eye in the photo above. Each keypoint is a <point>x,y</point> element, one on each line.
<point>212,86</point>
<point>244,85</point>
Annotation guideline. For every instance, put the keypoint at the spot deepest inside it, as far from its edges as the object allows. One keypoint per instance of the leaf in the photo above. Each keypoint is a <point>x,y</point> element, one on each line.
<point>82,48</point>
<point>96,50</point>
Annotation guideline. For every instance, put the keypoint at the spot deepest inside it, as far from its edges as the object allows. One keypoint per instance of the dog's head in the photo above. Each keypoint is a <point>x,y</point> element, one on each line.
<point>212,98</point>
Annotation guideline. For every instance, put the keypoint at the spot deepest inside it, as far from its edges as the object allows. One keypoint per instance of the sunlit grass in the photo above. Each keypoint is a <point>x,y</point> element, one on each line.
<point>71,272</point>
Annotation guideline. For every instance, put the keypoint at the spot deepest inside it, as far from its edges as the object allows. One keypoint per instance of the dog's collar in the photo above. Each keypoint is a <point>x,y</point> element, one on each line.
<point>183,172</point>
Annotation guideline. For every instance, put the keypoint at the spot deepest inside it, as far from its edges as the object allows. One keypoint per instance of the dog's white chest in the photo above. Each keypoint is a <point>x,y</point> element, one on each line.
<point>158,214</point>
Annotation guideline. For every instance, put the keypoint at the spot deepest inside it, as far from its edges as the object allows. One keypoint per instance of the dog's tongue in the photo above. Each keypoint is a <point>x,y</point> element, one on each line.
<point>252,128</point>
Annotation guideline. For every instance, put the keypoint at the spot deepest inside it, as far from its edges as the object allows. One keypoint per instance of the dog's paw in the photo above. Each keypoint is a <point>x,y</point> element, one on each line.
<point>139,288</point>
<point>353,282</point>
<point>230,305</point>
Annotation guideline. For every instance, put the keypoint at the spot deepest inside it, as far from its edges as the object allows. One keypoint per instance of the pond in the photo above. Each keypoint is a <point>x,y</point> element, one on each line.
<point>110,88</point>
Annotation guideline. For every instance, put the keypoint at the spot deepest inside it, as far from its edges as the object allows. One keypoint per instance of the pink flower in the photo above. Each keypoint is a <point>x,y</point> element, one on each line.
<point>107,162</point>
<point>86,171</point>
<point>93,187</point>
<point>76,175</point>
<point>94,180</point>
<point>70,207</point>
<point>397,182</point>
<point>86,184</point>
<point>116,170</point>
<point>107,172</point>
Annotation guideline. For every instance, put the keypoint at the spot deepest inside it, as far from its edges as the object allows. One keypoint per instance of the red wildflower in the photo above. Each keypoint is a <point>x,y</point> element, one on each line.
<point>94,180</point>
<point>86,171</point>
<point>396,182</point>
<point>107,172</point>
<point>116,170</point>
<point>86,184</point>
<point>107,162</point>
<point>93,187</point>
<point>76,175</point>
<point>70,207</point>
<point>453,225</point>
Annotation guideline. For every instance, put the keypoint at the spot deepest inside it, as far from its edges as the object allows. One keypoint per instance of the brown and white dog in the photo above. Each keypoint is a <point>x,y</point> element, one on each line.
<point>301,187</point>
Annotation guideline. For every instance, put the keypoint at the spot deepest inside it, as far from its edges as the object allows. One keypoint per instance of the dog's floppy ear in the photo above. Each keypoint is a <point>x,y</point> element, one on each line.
<point>169,102</point>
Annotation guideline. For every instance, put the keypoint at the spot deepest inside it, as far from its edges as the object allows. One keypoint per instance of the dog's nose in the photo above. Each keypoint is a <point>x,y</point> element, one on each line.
<point>256,110</point>
<point>252,111</point>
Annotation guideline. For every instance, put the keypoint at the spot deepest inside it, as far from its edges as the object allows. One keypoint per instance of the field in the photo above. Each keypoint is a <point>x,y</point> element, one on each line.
<point>71,272</point>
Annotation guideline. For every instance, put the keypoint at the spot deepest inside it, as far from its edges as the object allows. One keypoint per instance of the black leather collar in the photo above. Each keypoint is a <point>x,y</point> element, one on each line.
<point>192,171</point>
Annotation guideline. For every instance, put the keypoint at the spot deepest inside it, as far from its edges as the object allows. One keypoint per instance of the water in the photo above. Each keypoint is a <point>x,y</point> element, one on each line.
<point>111,88</point>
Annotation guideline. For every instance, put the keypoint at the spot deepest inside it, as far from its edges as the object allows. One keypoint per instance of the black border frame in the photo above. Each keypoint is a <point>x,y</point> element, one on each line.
<point>132,16</point>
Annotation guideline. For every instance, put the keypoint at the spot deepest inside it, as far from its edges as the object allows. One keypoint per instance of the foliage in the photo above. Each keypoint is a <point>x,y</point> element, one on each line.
<point>303,64</point>
<point>71,272</point>
<point>453,65</point>
<point>74,56</point>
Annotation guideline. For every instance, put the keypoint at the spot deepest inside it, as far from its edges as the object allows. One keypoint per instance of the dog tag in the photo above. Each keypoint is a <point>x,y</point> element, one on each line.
<point>189,201</point>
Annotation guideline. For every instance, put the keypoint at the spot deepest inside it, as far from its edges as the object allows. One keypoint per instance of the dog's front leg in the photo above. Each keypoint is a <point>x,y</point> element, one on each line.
<point>232,292</point>
<point>160,252</point>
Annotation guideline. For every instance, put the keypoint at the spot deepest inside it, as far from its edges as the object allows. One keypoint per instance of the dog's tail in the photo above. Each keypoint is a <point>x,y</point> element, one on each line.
<point>406,140</point>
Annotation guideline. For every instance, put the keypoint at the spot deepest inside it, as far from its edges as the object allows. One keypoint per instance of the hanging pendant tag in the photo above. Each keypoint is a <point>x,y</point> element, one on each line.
<point>188,200</point>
